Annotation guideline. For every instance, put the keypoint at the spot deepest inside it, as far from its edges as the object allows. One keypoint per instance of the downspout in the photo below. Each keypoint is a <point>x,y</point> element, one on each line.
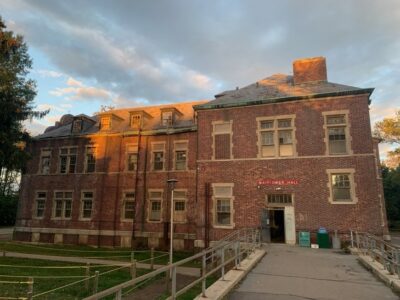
<point>102,192</point>
<point>144,185</point>
<point>117,196</point>
<point>136,184</point>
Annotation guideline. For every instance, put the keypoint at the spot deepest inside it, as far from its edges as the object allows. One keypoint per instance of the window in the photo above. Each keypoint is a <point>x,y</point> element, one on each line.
<point>40,204</point>
<point>129,206</point>
<point>167,118</point>
<point>222,132</point>
<point>180,155</point>
<point>180,199</point>
<point>336,131</point>
<point>223,205</point>
<point>68,160</point>
<point>280,199</point>
<point>90,159</point>
<point>87,205</point>
<point>342,188</point>
<point>158,156</point>
<point>77,126</point>
<point>45,159</point>
<point>155,199</point>
<point>276,136</point>
<point>136,121</point>
<point>62,205</point>
<point>131,157</point>
<point>105,123</point>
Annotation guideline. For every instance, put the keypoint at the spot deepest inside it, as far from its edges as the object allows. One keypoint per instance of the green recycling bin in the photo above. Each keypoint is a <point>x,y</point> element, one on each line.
<point>304,239</point>
<point>323,238</point>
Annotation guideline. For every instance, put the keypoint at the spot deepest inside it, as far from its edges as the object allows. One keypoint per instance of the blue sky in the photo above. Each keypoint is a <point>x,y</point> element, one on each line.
<point>129,53</point>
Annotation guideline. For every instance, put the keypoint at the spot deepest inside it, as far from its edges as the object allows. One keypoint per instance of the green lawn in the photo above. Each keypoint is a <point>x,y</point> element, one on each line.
<point>122,254</point>
<point>49,278</point>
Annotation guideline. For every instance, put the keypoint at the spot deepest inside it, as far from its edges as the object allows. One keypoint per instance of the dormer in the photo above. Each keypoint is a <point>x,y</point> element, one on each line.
<point>80,122</point>
<point>108,121</point>
<point>169,116</point>
<point>138,118</point>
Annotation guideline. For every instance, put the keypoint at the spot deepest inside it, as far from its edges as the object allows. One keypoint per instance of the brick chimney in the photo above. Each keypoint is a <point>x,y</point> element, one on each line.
<point>309,70</point>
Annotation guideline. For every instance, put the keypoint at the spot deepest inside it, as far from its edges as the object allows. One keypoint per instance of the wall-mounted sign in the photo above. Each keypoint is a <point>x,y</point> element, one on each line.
<point>268,181</point>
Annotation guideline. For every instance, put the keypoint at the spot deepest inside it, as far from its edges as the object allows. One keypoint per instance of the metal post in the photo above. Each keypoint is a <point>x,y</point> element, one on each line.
<point>30,288</point>
<point>351,238</point>
<point>96,282</point>
<point>223,263</point>
<point>173,288</point>
<point>132,256</point>
<point>152,259</point>
<point>239,254</point>
<point>171,182</point>
<point>133,269</point>
<point>236,254</point>
<point>357,240</point>
<point>118,295</point>
<point>87,275</point>
<point>203,273</point>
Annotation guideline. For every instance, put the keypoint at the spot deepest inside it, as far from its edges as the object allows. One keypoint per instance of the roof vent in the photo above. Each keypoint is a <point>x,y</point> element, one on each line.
<point>309,70</point>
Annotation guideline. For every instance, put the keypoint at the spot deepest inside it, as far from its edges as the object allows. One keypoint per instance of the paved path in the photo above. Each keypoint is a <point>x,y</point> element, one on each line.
<point>295,273</point>
<point>181,270</point>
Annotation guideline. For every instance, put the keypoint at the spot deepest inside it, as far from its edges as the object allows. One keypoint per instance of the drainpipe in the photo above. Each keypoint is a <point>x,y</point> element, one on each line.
<point>117,195</point>
<point>136,184</point>
<point>144,185</point>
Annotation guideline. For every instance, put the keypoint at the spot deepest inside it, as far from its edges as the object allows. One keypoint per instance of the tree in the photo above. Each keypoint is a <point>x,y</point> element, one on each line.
<point>391,186</point>
<point>389,131</point>
<point>17,94</point>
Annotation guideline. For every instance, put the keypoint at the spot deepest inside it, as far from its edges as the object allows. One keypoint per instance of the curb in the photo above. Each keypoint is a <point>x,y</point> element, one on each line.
<point>221,288</point>
<point>378,270</point>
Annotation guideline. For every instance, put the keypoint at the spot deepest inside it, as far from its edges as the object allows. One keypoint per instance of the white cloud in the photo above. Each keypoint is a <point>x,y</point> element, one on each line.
<point>49,73</point>
<point>45,106</point>
<point>73,82</point>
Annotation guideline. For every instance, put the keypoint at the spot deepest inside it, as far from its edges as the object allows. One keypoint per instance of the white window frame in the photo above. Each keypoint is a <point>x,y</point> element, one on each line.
<point>151,200</point>
<point>348,137</point>
<point>45,152</point>
<point>178,148</point>
<point>350,173</point>
<point>275,129</point>
<point>131,149</point>
<point>87,147</point>
<point>35,207</point>
<point>68,156</point>
<point>128,199</point>
<point>217,197</point>
<point>181,213</point>
<point>153,151</point>
<point>64,200</point>
<point>215,133</point>
<point>83,199</point>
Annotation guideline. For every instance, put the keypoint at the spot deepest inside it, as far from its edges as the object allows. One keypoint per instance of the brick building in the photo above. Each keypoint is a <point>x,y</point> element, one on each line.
<point>287,153</point>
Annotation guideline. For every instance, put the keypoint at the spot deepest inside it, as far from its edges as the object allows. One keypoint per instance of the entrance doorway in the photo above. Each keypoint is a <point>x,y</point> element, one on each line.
<point>277,225</point>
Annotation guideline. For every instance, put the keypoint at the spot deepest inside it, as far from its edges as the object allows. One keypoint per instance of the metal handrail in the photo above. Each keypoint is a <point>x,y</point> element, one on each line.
<point>378,249</point>
<point>242,241</point>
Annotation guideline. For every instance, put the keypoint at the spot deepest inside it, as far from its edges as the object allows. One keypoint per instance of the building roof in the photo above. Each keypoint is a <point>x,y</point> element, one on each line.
<point>121,122</point>
<point>279,88</point>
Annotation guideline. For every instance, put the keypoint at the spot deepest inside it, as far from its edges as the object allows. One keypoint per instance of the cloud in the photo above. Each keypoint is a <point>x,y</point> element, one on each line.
<point>49,73</point>
<point>85,93</point>
<point>73,82</point>
<point>51,107</point>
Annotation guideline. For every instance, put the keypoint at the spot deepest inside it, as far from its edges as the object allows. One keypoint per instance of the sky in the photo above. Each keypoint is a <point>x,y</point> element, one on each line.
<point>134,53</point>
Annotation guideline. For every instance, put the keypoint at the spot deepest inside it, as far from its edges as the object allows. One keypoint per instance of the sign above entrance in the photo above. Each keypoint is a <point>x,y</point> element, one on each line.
<point>268,181</point>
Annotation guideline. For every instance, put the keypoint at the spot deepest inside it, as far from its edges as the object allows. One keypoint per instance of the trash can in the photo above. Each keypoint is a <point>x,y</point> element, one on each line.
<point>304,239</point>
<point>323,238</point>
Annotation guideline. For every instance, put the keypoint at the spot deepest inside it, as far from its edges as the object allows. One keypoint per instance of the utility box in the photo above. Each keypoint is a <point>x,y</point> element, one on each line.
<point>304,239</point>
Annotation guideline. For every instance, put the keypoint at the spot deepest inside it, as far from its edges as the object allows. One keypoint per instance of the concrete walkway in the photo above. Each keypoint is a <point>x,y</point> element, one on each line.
<point>294,273</point>
<point>181,270</point>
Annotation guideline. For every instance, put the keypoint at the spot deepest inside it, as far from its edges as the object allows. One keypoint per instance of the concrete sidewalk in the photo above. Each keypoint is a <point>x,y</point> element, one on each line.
<point>181,270</point>
<point>294,273</point>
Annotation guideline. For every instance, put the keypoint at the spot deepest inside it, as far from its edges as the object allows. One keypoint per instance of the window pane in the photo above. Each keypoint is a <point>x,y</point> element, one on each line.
<point>284,123</point>
<point>105,123</point>
<point>285,137</point>
<point>72,163</point>
<point>40,208</point>
<point>340,119</point>
<point>87,208</point>
<point>341,187</point>
<point>224,218</point>
<point>155,213</point>
<point>45,168</point>
<point>41,195</point>
<point>180,160</point>
<point>63,164</point>
<point>90,163</point>
<point>59,195</point>
<point>155,195</point>
<point>68,195</point>
<point>158,160</point>
<point>58,208</point>
<point>130,195</point>
<point>88,195</point>
<point>179,205</point>
<point>267,138</point>
<point>132,161</point>
<point>266,124</point>
<point>67,212</point>
<point>129,212</point>
<point>136,121</point>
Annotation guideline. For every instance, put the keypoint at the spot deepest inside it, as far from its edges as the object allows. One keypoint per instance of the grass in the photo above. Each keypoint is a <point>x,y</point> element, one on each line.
<point>121,254</point>
<point>51,281</point>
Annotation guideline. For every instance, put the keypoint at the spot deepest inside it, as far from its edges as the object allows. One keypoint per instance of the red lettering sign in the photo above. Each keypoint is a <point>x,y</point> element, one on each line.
<point>268,181</point>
